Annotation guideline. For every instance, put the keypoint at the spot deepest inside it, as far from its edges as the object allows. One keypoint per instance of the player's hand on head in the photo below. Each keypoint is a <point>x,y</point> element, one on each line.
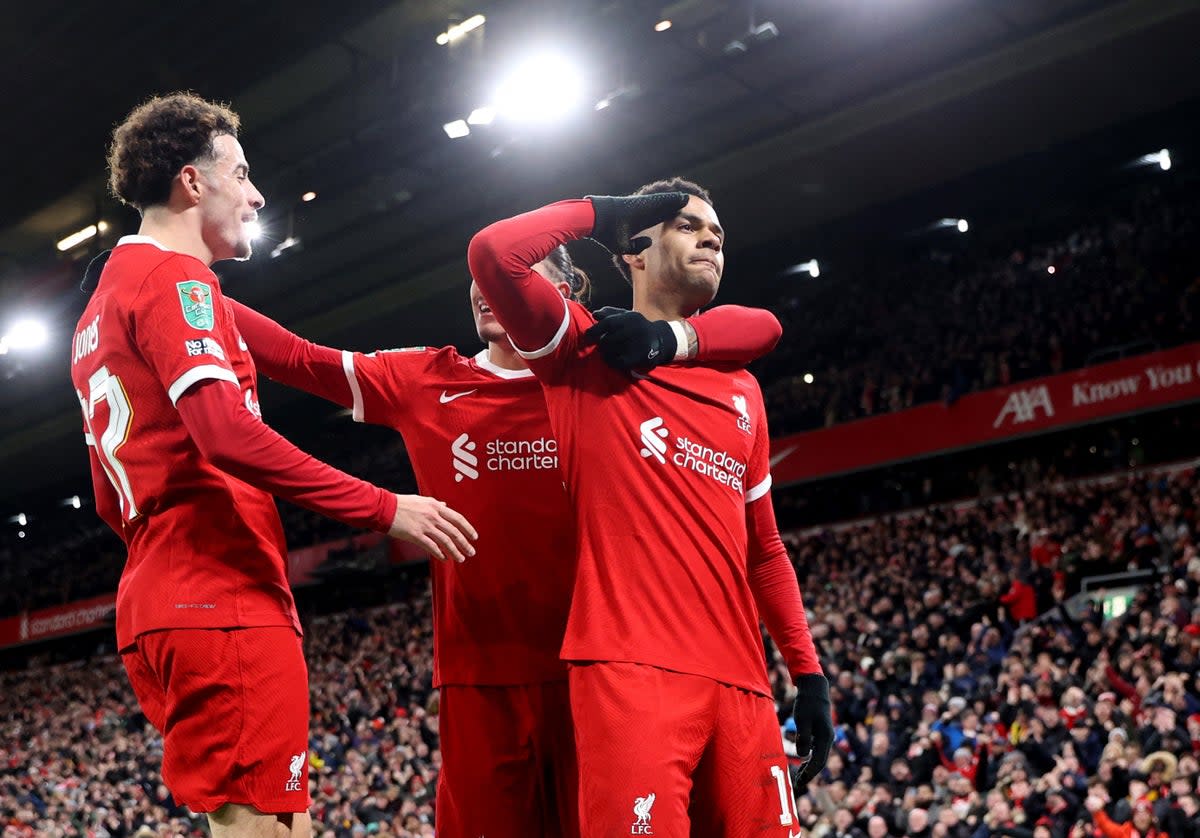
<point>813,713</point>
<point>628,341</point>
<point>620,218</point>
<point>431,524</point>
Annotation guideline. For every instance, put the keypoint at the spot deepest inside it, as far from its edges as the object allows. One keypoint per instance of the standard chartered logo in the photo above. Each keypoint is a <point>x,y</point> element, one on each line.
<point>464,460</point>
<point>720,466</point>
<point>653,434</point>
<point>502,455</point>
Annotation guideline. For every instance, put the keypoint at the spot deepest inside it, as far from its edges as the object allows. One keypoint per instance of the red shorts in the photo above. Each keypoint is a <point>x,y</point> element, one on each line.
<point>508,762</point>
<point>232,706</point>
<point>671,755</point>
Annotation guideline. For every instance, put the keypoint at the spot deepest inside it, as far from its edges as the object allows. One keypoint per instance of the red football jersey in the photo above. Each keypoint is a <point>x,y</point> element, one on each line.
<point>658,469</point>
<point>206,550</point>
<point>479,439</point>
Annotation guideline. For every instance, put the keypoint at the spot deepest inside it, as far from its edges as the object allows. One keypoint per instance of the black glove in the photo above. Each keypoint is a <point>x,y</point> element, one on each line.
<point>813,713</point>
<point>628,341</point>
<point>618,218</point>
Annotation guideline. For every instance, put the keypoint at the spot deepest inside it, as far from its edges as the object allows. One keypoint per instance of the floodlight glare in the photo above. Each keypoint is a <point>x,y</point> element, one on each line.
<point>24,334</point>
<point>1160,158</point>
<point>80,236</point>
<point>662,26</point>
<point>962,225</point>
<point>308,196</point>
<point>254,230</point>
<point>482,116</point>
<point>1050,270</point>
<point>458,30</point>
<point>541,89</point>
<point>456,129</point>
<point>811,267</point>
<point>808,378</point>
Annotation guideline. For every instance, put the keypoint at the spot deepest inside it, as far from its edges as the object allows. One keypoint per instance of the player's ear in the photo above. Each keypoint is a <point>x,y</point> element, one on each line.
<point>564,288</point>
<point>635,260</point>
<point>189,179</point>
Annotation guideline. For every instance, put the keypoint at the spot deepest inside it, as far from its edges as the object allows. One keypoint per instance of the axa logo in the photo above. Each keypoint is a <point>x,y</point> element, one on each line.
<point>296,766</point>
<point>1022,406</point>
<point>641,809</point>
<point>653,439</point>
<point>465,461</point>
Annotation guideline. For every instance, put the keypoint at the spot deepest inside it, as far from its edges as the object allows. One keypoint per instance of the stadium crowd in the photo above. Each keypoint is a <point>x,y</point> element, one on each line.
<point>973,697</point>
<point>885,337</point>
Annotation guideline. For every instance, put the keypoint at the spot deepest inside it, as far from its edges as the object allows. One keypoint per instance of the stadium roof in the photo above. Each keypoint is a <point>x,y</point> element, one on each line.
<point>854,103</point>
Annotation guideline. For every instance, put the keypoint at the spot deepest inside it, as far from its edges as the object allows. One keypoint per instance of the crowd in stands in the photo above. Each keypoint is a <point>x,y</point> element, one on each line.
<point>974,696</point>
<point>885,337</point>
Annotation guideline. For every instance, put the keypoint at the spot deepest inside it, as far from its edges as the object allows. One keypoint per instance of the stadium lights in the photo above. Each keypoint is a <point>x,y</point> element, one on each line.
<point>482,116</point>
<point>24,334</point>
<point>960,224</point>
<point>458,30</point>
<point>756,34</point>
<point>75,502</point>
<point>811,267</point>
<point>284,246</point>
<point>1050,269</point>
<point>19,519</point>
<point>662,26</point>
<point>808,378</point>
<point>541,89</point>
<point>254,230</point>
<point>1160,158</point>
<point>308,196</point>
<point>456,129</point>
<point>80,236</point>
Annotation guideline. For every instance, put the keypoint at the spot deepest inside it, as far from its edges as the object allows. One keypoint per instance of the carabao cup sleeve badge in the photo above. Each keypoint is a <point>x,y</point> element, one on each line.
<point>196,299</point>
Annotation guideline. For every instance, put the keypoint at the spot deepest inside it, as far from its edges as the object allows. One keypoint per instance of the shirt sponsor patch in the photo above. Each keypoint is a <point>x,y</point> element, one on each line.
<point>204,346</point>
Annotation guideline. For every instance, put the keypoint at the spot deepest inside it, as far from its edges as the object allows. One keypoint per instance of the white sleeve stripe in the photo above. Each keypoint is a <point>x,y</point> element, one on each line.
<point>200,373</point>
<point>554,341</point>
<point>355,391</point>
<point>759,490</point>
<point>681,339</point>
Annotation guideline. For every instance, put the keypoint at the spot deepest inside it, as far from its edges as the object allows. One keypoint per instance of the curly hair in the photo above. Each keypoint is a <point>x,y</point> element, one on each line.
<point>670,184</point>
<point>157,139</point>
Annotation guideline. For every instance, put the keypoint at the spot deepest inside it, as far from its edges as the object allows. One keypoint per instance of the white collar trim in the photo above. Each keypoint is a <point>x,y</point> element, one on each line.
<point>142,240</point>
<point>484,360</point>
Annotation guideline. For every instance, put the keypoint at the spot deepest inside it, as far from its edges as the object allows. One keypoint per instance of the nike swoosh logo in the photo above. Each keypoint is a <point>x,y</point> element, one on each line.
<point>794,834</point>
<point>782,455</point>
<point>445,399</point>
<point>653,353</point>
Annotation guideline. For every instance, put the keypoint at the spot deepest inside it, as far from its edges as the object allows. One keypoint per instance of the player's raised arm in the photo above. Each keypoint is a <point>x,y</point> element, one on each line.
<point>239,443</point>
<point>502,256</point>
<point>292,360</point>
<point>732,334</point>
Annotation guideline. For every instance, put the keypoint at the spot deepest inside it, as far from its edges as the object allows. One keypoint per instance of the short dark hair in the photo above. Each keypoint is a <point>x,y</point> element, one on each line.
<point>568,272</point>
<point>160,137</point>
<point>670,184</point>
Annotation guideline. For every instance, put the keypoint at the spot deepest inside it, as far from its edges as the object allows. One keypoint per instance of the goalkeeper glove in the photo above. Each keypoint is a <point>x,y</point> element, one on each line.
<point>619,218</point>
